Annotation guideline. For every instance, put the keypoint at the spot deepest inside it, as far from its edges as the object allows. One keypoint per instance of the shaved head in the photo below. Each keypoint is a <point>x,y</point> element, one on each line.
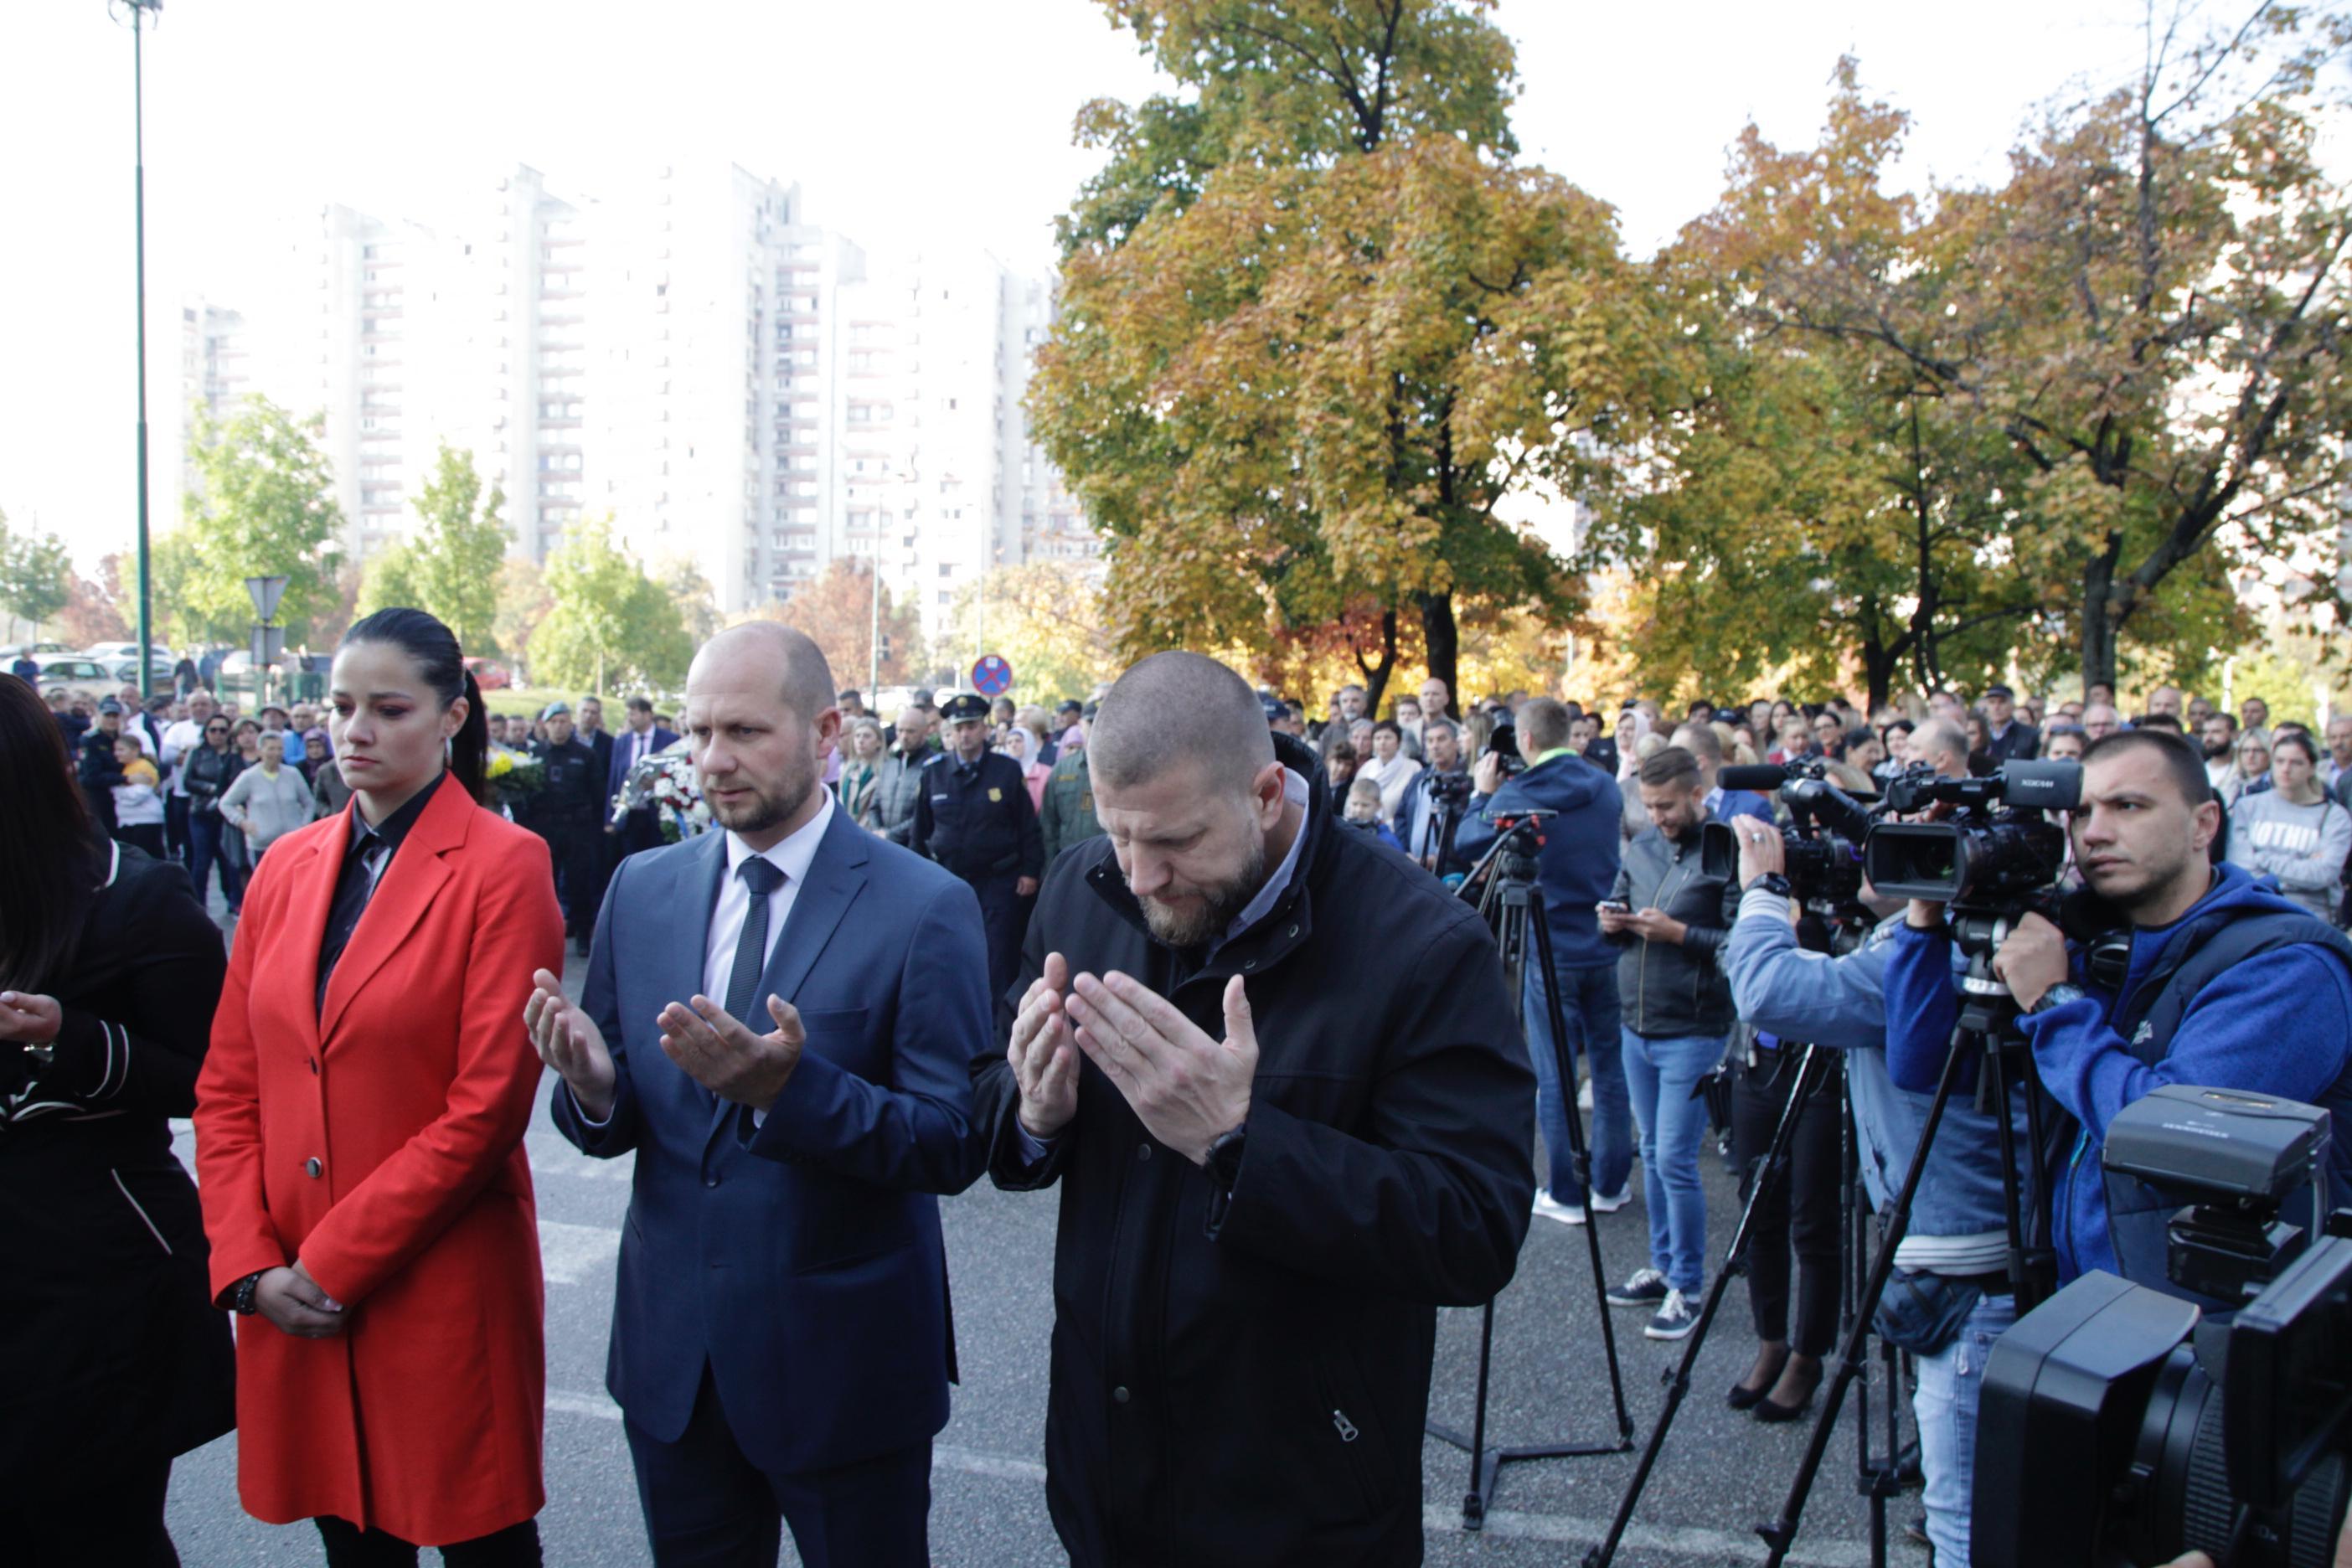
<point>1175,708</point>
<point>802,674</point>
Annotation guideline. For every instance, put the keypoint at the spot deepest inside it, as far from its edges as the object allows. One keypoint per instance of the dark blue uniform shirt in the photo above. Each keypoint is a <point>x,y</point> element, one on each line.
<point>975,819</point>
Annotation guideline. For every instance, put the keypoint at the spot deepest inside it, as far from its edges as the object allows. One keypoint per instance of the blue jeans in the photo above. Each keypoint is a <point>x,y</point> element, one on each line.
<point>210,842</point>
<point>1588,1002</point>
<point>1946,1405</point>
<point>1662,1073</point>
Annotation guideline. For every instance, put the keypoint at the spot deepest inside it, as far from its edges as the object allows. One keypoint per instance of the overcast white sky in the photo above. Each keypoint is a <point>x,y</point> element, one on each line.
<point>905,121</point>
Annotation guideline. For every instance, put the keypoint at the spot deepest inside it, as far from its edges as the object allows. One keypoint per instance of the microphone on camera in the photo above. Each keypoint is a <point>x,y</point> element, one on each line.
<point>1763,778</point>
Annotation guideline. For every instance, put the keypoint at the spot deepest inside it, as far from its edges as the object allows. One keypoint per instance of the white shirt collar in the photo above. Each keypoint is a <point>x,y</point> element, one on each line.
<point>1296,790</point>
<point>797,850</point>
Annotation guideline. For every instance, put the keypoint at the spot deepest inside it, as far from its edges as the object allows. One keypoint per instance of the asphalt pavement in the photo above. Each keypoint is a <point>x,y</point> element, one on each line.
<point>1720,1475</point>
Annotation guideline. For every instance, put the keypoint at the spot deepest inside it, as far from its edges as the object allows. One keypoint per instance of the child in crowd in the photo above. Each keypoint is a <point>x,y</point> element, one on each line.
<point>138,799</point>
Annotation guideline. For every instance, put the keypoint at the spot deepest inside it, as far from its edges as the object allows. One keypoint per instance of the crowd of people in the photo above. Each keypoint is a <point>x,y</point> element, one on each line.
<point>1095,947</point>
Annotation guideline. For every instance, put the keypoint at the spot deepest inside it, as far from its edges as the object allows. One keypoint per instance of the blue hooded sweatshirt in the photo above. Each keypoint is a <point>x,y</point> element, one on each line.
<point>1582,847</point>
<point>2280,1022</point>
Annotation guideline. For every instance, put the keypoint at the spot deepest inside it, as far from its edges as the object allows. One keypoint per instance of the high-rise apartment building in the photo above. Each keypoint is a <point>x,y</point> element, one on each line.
<point>684,351</point>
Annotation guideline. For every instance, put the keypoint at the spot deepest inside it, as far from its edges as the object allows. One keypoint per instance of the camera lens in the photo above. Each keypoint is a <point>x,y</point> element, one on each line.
<point>2185,1502</point>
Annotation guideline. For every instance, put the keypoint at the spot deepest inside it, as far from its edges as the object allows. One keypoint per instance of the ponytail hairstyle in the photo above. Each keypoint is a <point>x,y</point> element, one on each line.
<point>433,647</point>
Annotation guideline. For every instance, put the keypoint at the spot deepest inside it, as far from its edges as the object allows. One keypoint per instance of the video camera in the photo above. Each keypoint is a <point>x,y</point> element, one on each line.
<point>1996,847</point>
<point>1827,826</point>
<point>2117,1424</point>
<point>1503,742</point>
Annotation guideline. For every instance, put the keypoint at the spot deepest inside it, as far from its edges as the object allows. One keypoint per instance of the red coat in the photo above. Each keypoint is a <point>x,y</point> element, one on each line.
<point>411,1089</point>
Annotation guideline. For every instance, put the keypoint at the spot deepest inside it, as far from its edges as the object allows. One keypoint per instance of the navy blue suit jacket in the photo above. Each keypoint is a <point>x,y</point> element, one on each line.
<point>801,1259</point>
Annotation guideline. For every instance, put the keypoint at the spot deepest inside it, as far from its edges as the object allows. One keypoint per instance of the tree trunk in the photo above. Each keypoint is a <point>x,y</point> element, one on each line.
<point>1376,676</point>
<point>2098,617</point>
<point>1443,641</point>
<point>1879,664</point>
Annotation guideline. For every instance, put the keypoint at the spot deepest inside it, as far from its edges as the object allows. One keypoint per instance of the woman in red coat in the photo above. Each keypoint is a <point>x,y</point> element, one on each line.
<point>359,1135</point>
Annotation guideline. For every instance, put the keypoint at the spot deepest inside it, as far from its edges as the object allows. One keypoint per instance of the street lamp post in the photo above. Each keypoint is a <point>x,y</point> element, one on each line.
<point>139,10</point>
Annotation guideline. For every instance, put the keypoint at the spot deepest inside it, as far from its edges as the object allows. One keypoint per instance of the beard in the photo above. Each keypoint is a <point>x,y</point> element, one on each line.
<point>2215,750</point>
<point>767,808</point>
<point>1210,909</point>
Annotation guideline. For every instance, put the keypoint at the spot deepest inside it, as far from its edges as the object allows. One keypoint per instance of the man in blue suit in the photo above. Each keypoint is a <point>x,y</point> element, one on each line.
<point>641,830</point>
<point>781,1341</point>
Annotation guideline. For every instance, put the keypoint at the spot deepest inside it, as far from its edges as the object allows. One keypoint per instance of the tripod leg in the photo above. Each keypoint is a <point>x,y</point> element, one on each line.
<point>2012,1216</point>
<point>1777,1163</point>
<point>1539,953</point>
<point>1782,1530</point>
<point>1473,1501</point>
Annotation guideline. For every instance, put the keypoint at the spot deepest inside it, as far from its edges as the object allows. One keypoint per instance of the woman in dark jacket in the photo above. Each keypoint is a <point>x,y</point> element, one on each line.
<point>210,769</point>
<point>117,1363</point>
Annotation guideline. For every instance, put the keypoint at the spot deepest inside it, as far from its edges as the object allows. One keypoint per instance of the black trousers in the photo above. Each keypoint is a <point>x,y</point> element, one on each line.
<point>349,1546</point>
<point>708,1506</point>
<point>147,835</point>
<point>1802,1218</point>
<point>114,1517</point>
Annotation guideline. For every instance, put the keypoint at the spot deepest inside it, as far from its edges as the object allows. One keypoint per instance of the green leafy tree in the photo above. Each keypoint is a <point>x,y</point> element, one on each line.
<point>607,624</point>
<point>449,566</point>
<point>1318,326</point>
<point>1047,619</point>
<point>36,574</point>
<point>2149,312</point>
<point>523,604</point>
<point>266,508</point>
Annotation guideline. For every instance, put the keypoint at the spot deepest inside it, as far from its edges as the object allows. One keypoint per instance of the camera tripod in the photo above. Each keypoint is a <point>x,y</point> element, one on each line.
<point>1827,929</point>
<point>1512,905</point>
<point>1986,1031</point>
<point>1811,1068</point>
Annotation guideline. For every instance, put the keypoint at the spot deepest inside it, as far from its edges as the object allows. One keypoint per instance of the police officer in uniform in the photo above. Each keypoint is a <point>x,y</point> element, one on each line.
<point>568,812</point>
<point>973,816</point>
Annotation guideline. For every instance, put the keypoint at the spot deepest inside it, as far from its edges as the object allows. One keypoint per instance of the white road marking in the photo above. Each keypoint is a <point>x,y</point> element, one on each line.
<point>1641,1544</point>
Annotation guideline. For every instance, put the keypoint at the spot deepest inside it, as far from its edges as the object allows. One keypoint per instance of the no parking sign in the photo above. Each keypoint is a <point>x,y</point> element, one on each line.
<point>990,676</point>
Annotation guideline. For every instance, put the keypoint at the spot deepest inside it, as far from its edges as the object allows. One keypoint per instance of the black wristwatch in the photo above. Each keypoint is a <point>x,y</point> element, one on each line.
<point>1225,1158</point>
<point>1772,882</point>
<point>2058,995</point>
<point>241,1295</point>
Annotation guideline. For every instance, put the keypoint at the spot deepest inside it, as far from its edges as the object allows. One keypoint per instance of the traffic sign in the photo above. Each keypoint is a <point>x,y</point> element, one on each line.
<point>266,593</point>
<point>990,676</point>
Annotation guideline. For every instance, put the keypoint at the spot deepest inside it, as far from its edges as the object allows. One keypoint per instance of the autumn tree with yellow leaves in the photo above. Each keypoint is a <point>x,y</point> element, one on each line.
<point>1318,324</point>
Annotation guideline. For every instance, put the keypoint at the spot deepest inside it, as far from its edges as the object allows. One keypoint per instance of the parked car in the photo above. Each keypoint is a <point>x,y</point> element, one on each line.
<point>126,670</point>
<point>490,676</point>
<point>116,652</point>
<point>80,677</point>
<point>37,650</point>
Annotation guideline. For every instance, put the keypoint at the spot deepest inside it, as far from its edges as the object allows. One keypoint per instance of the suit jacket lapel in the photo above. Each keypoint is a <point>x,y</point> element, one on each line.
<point>408,886</point>
<point>306,918</point>
<point>686,916</point>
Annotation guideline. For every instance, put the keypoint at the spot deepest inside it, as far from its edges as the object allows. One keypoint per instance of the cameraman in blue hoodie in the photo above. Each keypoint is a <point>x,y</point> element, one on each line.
<point>1577,866</point>
<point>2228,985</point>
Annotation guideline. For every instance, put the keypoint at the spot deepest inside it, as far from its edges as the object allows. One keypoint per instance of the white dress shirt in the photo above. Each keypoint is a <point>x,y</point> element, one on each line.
<point>792,856</point>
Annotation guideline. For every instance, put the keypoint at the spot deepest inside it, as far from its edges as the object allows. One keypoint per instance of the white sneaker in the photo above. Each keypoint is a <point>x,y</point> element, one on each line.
<point>1601,1204</point>
<point>1584,1095</point>
<point>1674,1320</point>
<point>1548,1207</point>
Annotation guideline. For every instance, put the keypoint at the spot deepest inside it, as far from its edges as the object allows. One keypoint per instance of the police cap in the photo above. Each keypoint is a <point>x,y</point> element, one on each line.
<point>964,706</point>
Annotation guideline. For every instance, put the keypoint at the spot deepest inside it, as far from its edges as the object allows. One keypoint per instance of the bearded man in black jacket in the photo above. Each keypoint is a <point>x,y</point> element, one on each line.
<point>1277,1074</point>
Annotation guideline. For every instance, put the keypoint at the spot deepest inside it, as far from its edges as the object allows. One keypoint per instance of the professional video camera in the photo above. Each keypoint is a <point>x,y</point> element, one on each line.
<point>1995,848</point>
<point>1503,742</point>
<point>2118,1427</point>
<point>1826,828</point>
